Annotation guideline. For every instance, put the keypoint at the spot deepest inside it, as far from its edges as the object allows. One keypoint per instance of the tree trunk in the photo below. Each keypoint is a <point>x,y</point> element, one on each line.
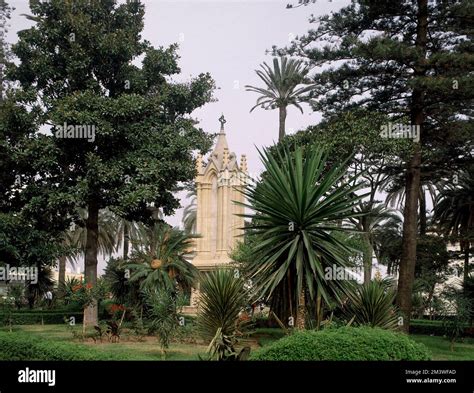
<point>126,239</point>
<point>367,260</point>
<point>62,275</point>
<point>412,179</point>
<point>466,263</point>
<point>422,212</point>
<point>301,312</point>
<point>92,226</point>
<point>281,133</point>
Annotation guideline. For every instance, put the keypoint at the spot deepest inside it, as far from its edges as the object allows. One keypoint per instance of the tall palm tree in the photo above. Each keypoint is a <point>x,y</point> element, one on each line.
<point>368,224</point>
<point>297,207</point>
<point>454,212</point>
<point>388,243</point>
<point>395,188</point>
<point>164,259</point>
<point>126,232</point>
<point>190,213</point>
<point>282,87</point>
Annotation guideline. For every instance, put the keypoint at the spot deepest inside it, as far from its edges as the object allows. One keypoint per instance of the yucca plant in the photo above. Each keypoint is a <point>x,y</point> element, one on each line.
<point>372,304</point>
<point>297,207</point>
<point>222,299</point>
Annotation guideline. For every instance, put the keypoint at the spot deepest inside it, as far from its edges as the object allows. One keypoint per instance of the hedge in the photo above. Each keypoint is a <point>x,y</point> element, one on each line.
<point>45,317</point>
<point>433,328</point>
<point>345,343</point>
<point>25,346</point>
<point>422,326</point>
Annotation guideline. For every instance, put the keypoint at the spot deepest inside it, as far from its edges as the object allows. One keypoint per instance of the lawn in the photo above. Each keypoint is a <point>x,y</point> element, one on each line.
<point>131,349</point>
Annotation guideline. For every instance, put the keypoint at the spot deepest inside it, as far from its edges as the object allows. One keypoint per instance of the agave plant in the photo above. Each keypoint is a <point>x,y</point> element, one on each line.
<point>222,299</point>
<point>373,304</point>
<point>164,260</point>
<point>297,207</point>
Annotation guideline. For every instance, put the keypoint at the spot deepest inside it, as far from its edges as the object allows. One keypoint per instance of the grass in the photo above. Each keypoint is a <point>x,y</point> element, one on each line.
<point>127,349</point>
<point>440,347</point>
<point>149,349</point>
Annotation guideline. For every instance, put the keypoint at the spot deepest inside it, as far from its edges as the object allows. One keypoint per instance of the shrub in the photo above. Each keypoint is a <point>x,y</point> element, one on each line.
<point>421,326</point>
<point>45,317</point>
<point>24,346</point>
<point>372,304</point>
<point>346,343</point>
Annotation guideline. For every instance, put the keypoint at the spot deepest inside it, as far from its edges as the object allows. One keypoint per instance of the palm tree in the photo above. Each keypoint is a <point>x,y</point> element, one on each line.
<point>368,224</point>
<point>454,212</point>
<point>44,282</point>
<point>297,207</point>
<point>395,188</point>
<point>282,87</point>
<point>75,240</point>
<point>388,243</point>
<point>190,212</point>
<point>163,260</point>
<point>126,232</point>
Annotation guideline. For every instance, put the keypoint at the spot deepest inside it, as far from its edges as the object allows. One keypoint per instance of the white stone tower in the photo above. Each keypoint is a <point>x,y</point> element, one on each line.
<point>218,185</point>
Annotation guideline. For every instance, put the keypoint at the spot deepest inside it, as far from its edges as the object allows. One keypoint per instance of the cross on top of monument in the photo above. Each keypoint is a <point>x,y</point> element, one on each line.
<point>222,120</point>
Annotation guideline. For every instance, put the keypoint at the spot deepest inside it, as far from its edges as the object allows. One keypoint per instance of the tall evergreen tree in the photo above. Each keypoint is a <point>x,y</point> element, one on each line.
<point>413,61</point>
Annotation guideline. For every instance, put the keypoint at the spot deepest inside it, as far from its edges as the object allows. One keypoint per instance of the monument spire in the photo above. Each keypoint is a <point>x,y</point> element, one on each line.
<point>221,143</point>
<point>222,120</point>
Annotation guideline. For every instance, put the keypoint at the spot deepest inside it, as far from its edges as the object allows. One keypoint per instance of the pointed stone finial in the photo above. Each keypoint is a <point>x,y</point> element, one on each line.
<point>222,120</point>
<point>243,163</point>
<point>225,157</point>
<point>199,163</point>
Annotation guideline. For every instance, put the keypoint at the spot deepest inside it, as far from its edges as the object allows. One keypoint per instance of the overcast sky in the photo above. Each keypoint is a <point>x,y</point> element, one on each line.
<point>228,39</point>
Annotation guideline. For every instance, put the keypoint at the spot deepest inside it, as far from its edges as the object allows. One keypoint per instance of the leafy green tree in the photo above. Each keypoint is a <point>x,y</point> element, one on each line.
<point>409,60</point>
<point>76,68</point>
<point>296,210</point>
<point>283,87</point>
<point>455,213</point>
<point>432,268</point>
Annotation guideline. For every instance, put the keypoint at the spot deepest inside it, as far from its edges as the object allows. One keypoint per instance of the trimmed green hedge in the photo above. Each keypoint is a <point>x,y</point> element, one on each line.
<point>424,326</point>
<point>45,317</point>
<point>346,343</point>
<point>25,346</point>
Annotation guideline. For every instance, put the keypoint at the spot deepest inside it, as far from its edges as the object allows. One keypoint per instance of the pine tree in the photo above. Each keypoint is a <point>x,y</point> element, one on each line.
<point>413,61</point>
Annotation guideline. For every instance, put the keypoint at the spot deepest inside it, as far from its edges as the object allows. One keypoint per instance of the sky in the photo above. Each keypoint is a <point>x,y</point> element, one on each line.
<point>228,39</point>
